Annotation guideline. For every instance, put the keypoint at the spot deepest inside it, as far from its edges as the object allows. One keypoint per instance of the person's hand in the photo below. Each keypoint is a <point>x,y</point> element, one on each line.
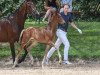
<point>79,30</point>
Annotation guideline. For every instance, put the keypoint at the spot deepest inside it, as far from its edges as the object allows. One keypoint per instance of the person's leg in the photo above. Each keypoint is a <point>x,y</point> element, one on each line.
<point>66,47</point>
<point>65,41</point>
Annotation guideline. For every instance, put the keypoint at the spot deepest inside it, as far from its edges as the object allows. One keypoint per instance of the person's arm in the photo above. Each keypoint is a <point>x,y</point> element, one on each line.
<point>74,26</point>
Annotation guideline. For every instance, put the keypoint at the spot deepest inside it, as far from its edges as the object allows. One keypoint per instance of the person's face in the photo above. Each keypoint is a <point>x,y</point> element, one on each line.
<point>66,8</point>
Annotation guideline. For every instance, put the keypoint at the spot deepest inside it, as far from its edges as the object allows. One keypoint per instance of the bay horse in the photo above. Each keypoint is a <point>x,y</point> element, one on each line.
<point>12,25</point>
<point>31,36</point>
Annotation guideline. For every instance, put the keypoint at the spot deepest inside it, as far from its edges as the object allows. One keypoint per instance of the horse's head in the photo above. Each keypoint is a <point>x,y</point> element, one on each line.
<point>31,8</point>
<point>56,17</point>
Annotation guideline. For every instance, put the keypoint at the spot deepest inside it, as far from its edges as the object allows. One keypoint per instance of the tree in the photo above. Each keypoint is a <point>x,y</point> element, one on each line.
<point>90,9</point>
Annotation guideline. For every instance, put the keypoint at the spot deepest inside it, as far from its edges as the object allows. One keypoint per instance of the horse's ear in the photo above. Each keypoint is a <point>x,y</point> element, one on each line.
<point>27,0</point>
<point>57,11</point>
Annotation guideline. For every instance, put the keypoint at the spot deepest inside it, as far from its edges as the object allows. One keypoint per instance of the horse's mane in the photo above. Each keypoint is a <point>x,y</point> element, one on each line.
<point>18,8</point>
<point>16,11</point>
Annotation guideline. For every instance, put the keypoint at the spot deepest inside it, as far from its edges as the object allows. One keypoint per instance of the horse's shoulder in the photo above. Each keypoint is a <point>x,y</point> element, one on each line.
<point>4,21</point>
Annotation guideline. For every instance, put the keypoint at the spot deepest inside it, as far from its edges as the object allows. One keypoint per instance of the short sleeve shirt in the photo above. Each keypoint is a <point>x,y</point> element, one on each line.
<point>68,19</point>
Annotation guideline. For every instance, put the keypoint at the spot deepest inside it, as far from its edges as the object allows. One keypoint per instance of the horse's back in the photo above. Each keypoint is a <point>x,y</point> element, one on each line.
<point>36,33</point>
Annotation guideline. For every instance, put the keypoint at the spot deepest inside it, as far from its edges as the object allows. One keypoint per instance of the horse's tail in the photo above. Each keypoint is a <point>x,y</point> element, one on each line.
<point>20,38</point>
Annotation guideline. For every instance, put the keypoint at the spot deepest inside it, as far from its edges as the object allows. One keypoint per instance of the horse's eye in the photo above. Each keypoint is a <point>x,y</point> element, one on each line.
<point>28,4</point>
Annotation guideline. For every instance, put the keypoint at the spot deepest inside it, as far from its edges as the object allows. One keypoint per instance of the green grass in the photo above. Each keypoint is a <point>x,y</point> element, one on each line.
<point>85,46</point>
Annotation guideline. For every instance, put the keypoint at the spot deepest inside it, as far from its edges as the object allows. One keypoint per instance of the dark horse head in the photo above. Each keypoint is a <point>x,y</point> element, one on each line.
<point>12,25</point>
<point>31,8</point>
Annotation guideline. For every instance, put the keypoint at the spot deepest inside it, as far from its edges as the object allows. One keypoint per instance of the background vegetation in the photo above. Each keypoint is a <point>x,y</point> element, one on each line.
<point>85,46</point>
<point>89,9</point>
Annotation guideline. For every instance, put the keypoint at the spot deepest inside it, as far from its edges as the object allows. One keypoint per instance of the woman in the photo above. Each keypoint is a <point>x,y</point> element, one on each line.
<point>61,34</point>
<point>50,5</point>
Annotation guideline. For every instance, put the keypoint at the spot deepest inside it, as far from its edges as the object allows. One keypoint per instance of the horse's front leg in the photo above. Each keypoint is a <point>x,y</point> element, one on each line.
<point>17,57</point>
<point>44,59</point>
<point>60,59</point>
<point>12,47</point>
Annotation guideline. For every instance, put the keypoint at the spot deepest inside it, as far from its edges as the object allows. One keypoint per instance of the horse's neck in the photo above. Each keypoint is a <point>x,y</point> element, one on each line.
<point>21,16</point>
<point>18,18</point>
<point>52,27</point>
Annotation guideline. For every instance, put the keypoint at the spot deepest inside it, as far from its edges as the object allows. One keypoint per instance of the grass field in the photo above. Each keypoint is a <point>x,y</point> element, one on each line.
<point>85,46</point>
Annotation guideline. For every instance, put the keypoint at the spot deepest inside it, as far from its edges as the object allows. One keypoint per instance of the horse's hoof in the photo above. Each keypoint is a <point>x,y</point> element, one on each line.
<point>15,66</point>
<point>60,62</point>
<point>31,65</point>
<point>43,66</point>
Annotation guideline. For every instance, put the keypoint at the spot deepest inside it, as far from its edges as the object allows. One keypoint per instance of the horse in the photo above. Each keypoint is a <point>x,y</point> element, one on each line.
<point>33,35</point>
<point>12,25</point>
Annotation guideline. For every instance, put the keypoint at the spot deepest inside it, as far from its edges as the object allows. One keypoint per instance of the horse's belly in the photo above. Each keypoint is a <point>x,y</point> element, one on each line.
<point>42,40</point>
<point>3,33</point>
<point>3,39</point>
<point>7,33</point>
<point>3,36</point>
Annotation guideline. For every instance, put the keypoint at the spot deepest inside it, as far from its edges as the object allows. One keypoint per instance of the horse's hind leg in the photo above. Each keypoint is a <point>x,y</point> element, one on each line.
<point>44,59</point>
<point>31,58</point>
<point>29,48</point>
<point>24,56</point>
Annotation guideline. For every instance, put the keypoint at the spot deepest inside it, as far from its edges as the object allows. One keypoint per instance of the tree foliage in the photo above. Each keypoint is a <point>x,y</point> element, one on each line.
<point>90,9</point>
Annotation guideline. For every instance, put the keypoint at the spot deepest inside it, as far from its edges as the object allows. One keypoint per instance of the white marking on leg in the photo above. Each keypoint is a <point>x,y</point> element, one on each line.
<point>31,58</point>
